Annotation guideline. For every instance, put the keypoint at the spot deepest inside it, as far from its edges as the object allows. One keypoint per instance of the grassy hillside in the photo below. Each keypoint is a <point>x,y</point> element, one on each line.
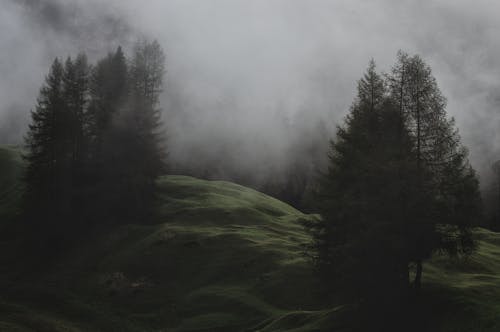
<point>221,257</point>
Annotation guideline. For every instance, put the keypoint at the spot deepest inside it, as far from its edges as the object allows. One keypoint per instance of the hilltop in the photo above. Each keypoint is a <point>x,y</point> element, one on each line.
<point>219,257</point>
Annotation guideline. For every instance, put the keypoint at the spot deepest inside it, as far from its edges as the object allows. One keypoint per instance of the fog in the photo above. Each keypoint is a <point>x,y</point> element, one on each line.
<point>254,85</point>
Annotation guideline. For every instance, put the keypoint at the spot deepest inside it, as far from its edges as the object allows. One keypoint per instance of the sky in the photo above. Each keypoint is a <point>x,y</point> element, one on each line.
<point>249,80</point>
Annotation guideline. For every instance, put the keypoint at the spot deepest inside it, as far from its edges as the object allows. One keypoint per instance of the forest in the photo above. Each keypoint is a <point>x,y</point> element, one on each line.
<point>127,206</point>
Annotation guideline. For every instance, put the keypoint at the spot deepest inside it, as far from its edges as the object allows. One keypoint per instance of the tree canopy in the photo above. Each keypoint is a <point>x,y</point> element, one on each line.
<point>399,186</point>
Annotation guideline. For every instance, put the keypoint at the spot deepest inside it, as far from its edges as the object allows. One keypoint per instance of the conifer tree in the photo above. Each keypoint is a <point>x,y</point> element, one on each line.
<point>44,139</point>
<point>447,200</point>
<point>359,240</point>
<point>144,158</point>
<point>95,141</point>
<point>109,95</point>
<point>56,147</point>
<point>129,150</point>
<point>109,92</point>
<point>49,158</point>
<point>76,98</point>
<point>146,82</point>
<point>399,186</point>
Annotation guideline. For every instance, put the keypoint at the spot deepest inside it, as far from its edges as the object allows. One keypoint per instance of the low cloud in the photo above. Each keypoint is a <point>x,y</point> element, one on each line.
<point>249,81</point>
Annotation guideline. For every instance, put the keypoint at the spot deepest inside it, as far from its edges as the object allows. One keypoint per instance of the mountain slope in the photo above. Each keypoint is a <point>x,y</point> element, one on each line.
<point>221,257</point>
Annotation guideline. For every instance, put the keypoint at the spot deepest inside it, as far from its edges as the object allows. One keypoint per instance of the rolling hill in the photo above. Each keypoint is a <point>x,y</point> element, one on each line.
<point>221,257</point>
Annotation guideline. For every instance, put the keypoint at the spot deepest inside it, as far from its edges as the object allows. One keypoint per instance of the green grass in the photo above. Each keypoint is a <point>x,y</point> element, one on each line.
<point>221,257</point>
<point>470,287</point>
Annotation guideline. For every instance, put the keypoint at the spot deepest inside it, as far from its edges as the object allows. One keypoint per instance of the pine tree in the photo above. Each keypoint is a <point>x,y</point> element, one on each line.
<point>43,140</point>
<point>56,151</point>
<point>146,79</point>
<point>48,196</point>
<point>141,153</point>
<point>399,186</point>
<point>95,143</point>
<point>359,240</point>
<point>447,189</point>
<point>76,99</point>
<point>109,94</point>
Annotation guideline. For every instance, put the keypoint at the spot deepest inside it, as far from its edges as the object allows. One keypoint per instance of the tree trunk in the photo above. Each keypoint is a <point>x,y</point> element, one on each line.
<point>418,276</point>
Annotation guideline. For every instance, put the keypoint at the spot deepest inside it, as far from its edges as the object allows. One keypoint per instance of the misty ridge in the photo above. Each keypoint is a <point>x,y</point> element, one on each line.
<point>281,72</point>
<point>224,165</point>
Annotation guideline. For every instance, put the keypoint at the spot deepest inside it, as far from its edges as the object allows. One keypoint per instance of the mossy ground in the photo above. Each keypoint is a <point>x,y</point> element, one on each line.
<point>221,257</point>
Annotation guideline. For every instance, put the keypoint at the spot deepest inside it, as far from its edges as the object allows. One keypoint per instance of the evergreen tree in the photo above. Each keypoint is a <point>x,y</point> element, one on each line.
<point>140,127</point>
<point>146,80</point>
<point>109,92</point>
<point>44,140</point>
<point>95,142</point>
<point>359,240</point>
<point>447,189</point>
<point>128,152</point>
<point>138,152</point>
<point>56,151</point>
<point>399,186</point>
<point>76,98</point>
<point>49,159</point>
<point>109,96</point>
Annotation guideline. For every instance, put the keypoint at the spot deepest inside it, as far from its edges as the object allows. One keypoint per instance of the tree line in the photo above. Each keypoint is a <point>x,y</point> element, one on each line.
<point>95,144</point>
<point>399,187</point>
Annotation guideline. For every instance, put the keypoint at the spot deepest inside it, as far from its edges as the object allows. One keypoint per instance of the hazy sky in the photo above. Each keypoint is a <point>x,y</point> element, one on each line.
<point>237,68</point>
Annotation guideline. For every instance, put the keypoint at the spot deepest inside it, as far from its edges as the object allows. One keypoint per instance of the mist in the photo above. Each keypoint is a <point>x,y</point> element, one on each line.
<point>242,165</point>
<point>253,86</point>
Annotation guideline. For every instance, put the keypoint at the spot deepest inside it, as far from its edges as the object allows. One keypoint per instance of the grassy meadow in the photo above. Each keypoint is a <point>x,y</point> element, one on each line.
<point>220,257</point>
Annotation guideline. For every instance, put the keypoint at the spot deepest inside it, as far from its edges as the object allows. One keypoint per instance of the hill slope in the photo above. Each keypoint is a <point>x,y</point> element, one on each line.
<point>221,257</point>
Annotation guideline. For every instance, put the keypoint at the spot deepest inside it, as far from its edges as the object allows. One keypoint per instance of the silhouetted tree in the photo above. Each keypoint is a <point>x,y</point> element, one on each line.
<point>142,152</point>
<point>399,186</point>
<point>447,188</point>
<point>54,148</point>
<point>76,99</point>
<point>109,92</point>
<point>95,146</point>
<point>109,97</point>
<point>45,143</point>
<point>360,240</point>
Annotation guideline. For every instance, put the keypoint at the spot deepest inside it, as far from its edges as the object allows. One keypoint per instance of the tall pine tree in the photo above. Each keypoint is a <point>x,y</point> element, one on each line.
<point>399,186</point>
<point>140,153</point>
<point>109,96</point>
<point>55,150</point>
<point>76,99</point>
<point>447,201</point>
<point>44,143</point>
<point>360,240</point>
